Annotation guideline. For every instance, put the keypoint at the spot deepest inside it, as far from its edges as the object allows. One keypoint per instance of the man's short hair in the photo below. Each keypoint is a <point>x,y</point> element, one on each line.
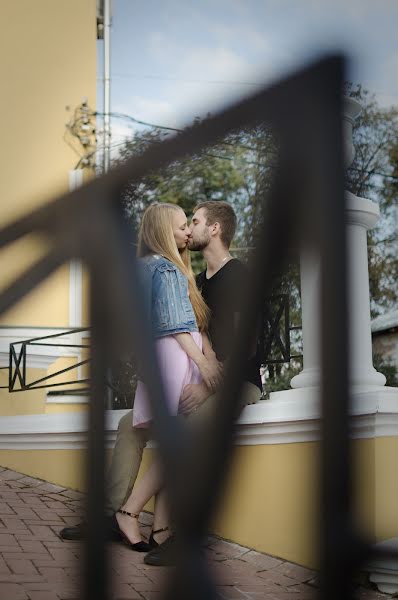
<point>218,211</point>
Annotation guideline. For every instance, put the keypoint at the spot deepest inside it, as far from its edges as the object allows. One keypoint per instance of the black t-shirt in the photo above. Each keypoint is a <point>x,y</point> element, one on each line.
<point>222,294</point>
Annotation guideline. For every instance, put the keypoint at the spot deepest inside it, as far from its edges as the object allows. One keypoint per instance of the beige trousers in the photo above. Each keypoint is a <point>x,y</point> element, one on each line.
<point>131,441</point>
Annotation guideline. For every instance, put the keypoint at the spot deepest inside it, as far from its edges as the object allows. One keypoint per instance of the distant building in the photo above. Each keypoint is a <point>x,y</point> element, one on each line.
<point>385,336</point>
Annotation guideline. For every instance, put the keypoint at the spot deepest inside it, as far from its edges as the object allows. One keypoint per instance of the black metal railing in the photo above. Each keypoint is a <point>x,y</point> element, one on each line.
<point>17,376</point>
<point>275,338</point>
<point>305,204</point>
<point>274,347</point>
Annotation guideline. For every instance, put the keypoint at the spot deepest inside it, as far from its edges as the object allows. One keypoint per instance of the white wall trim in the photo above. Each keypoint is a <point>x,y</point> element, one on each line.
<point>75,293</point>
<point>267,422</point>
<point>76,180</point>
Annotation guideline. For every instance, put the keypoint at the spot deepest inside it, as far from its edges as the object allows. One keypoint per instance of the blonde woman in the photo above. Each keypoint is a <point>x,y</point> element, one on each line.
<point>179,318</point>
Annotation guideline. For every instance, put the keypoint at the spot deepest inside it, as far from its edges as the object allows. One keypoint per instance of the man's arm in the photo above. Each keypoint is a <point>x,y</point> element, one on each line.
<point>193,395</point>
<point>209,370</point>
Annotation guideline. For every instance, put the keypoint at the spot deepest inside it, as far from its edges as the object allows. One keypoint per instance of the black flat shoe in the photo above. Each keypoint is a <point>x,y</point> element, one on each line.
<point>138,546</point>
<point>164,555</point>
<point>152,542</point>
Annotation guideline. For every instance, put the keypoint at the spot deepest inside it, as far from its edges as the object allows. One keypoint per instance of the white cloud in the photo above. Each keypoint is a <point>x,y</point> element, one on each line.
<point>213,63</point>
<point>151,110</point>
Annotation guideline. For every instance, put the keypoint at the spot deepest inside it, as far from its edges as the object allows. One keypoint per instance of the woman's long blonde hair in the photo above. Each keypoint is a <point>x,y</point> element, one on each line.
<point>156,237</point>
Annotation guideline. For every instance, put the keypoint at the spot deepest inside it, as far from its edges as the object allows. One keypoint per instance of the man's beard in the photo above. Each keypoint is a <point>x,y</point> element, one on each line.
<point>198,245</point>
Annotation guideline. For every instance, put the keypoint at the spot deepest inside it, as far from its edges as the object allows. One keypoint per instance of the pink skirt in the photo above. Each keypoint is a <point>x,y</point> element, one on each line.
<point>177,371</point>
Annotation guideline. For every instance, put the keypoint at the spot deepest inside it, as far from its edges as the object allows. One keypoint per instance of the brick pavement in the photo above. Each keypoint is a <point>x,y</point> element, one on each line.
<point>36,564</point>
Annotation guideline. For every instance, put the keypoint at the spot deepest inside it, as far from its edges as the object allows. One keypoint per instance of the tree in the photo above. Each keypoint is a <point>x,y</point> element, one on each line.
<point>374,175</point>
<point>240,167</point>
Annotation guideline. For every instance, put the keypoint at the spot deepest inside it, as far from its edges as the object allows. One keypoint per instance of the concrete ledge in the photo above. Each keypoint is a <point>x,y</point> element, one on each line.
<point>384,571</point>
<point>288,417</point>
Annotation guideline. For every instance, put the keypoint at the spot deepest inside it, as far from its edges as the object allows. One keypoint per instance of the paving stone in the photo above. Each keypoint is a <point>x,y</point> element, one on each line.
<point>29,481</point>
<point>12,591</point>
<point>5,549</point>
<point>42,532</point>
<point>262,561</point>
<point>51,487</point>
<point>278,578</point>
<point>231,593</point>
<point>16,483</point>
<point>296,572</point>
<point>56,498</point>
<point>6,539</point>
<point>3,567</point>
<point>5,509</point>
<point>239,566</point>
<point>13,524</point>
<point>22,566</point>
<point>19,555</point>
<point>24,512</point>
<point>42,595</point>
<point>73,495</point>
<point>8,475</point>
<point>21,578</point>
<point>152,595</point>
<point>53,573</point>
<point>31,499</point>
<point>124,592</point>
<point>69,592</point>
<point>24,535</point>
<point>228,549</point>
<point>36,563</point>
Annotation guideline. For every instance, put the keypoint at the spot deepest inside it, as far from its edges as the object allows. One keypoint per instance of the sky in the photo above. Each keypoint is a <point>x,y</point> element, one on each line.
<point>172,60</point>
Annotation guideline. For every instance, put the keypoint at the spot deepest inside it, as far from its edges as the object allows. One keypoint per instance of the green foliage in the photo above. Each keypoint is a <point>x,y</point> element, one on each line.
<point>387,367</point>
<point>239,169</point>
<point>124,383</point>
<point>374,174</point>
<point>278,377</point>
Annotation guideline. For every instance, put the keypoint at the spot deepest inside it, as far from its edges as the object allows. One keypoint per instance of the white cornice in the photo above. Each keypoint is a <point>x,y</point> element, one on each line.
<point>274,421</point>
<point>383,570</point>
<point>67,399</point>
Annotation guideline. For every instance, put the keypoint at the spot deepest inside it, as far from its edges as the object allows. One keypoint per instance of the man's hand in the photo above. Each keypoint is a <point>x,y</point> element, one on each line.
<point>211,371</point>
<point>193,395</point>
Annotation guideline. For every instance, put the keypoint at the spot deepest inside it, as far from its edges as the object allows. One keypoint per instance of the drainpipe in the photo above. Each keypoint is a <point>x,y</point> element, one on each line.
<point>107,83</point>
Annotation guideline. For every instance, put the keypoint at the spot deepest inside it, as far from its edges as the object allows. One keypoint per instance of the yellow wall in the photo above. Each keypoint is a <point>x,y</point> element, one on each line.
<point>62,467</point>
<point>30,402</point>
<point>48,51</point>
<point>271,501</point>
<point>386,488</point>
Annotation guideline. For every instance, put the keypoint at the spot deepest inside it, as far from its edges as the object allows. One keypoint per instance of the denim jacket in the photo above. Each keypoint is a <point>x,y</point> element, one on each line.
<point>166,296</point>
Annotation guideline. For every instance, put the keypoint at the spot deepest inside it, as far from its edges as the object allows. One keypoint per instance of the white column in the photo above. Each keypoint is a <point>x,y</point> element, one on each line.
<point>310,289</point>
<point>361,214</point>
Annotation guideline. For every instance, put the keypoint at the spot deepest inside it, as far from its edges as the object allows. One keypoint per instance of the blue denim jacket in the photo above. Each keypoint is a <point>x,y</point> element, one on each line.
<point>166,296</point>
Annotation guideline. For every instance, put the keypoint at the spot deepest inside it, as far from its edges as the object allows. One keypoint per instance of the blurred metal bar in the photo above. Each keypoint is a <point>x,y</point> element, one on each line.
<point>96,562</point>
<point>340,549</point>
